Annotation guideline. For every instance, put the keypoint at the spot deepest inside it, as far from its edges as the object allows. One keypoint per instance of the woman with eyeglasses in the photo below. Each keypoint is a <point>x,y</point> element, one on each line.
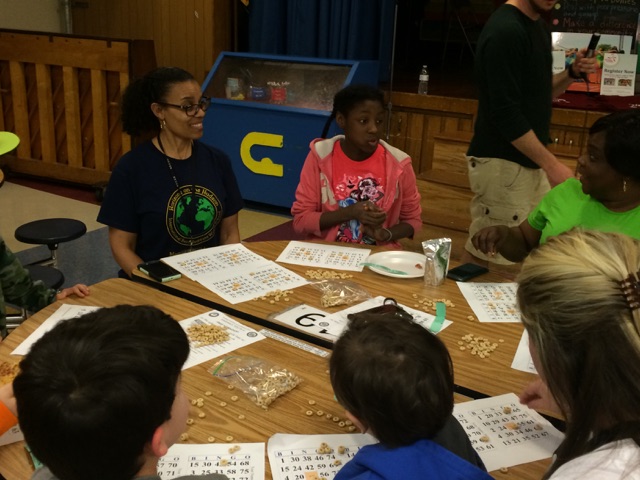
<point>172,193</point>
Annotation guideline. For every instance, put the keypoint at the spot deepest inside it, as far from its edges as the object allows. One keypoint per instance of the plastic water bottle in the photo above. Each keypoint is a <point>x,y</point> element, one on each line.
<point>423,84</point>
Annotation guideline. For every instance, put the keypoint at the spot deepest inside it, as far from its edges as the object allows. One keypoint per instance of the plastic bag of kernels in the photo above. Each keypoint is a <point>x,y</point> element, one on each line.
<point>261,380</point>
<point>340,292</point>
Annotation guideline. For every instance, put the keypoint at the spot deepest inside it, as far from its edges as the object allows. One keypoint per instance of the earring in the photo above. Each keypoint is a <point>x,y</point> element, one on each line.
<point>624,185</point>
<point>163,124</point>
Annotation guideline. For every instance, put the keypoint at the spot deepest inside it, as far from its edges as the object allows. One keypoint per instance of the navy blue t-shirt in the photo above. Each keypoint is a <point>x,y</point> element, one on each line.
<point>142,198</point>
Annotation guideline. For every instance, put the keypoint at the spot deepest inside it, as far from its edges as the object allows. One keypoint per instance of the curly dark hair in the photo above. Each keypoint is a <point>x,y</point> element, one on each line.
<point>136,115</point>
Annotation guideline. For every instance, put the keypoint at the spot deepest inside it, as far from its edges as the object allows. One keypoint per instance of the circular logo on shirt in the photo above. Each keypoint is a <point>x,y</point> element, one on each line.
<point>192,218</point>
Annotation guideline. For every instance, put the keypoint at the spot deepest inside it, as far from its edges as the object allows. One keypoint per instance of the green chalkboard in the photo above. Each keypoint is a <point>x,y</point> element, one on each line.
<point>615,17</point>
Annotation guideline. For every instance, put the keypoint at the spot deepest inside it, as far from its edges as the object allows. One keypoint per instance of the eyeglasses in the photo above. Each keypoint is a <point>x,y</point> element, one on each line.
<point>190,110</point>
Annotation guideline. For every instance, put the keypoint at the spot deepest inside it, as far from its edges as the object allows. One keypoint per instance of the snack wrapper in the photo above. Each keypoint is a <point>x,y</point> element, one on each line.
<point>437,251</point>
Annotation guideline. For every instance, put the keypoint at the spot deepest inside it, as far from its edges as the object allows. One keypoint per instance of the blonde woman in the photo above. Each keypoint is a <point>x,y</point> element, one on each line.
<point>579,295</point>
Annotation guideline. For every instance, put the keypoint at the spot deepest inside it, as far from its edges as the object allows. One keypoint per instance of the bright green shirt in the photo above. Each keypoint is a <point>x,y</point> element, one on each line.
<point>566,206</point>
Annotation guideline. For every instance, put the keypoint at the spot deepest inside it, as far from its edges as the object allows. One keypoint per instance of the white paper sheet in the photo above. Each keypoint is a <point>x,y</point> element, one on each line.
<point>522,359</point>
<point>247,463</point>
<point>239,336</point>
<point>234,272</point>
<point>324,256</point>
<point>201,263</point>
<point>13,435</point>
<point>248,282</point>
<point>506,433</point>
<point>338,321</point>
<point>296,456</point>
<point>64,312</point>
<point>618,74</point>
<point>308,319</point>
<point>492,302</point>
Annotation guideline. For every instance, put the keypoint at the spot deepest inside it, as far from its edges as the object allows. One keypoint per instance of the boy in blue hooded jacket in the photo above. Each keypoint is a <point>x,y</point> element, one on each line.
<point>395,380</point>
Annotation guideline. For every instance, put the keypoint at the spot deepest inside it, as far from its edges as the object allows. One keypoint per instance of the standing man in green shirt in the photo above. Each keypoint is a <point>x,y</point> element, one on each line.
<point>510,168</point>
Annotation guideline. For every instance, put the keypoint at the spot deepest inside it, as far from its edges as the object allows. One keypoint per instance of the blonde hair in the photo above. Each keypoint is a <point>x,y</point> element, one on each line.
<point>586,335</point>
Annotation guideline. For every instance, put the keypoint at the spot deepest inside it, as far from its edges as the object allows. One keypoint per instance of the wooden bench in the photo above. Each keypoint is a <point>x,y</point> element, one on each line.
<point>60,94</point>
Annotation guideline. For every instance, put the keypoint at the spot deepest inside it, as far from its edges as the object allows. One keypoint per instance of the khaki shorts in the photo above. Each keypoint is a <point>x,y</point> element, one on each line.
<point>505,194</point>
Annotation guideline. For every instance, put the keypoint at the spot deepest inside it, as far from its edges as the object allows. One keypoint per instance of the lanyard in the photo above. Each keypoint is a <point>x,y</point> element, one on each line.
<point>175,180</point>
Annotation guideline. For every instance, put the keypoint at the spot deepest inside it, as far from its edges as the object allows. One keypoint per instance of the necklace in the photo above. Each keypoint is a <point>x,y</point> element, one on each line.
<point>173,175</point>
<point>175,180</point>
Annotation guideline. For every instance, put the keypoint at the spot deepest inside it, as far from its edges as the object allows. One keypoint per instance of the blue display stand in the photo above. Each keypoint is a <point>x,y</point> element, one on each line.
<point>265,110</point>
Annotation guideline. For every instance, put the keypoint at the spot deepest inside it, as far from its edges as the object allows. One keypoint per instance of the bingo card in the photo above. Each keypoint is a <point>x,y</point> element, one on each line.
<point>492,302</point>
<point>244,461</point>
<point>213,260</point>
<point>245,283</point>
<point>324,256</point>
<point>305,457</point>
<point>506,433</point>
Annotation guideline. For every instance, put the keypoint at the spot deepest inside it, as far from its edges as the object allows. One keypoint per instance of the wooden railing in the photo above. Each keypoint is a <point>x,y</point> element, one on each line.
<point>60,94</point>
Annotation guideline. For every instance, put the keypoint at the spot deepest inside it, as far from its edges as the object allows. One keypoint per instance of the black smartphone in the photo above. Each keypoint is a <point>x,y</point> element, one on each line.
<point>466,271</point>
<point>159,271</point>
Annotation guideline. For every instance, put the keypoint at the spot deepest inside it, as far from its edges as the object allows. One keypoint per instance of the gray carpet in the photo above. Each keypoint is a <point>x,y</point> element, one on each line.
<point>85,260</point>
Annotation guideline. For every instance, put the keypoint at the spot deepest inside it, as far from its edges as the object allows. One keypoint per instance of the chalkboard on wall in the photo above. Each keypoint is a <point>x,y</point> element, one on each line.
<point>615,17</point>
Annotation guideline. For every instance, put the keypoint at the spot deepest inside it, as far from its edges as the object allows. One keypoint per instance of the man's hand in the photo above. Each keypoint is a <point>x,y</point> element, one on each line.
<point>558,172</point>
<point>582,64</point>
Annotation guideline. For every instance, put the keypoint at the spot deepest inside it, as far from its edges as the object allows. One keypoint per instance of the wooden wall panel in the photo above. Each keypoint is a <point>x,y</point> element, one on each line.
<point>20,104</point>
<point>72,117</point>
<point>45,113</point>
<point>65,112</point>
<point>100,127</point>
<point>188,33</point>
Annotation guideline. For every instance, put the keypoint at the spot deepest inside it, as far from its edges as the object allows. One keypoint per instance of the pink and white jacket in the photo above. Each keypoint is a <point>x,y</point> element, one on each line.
<point>314,194</point>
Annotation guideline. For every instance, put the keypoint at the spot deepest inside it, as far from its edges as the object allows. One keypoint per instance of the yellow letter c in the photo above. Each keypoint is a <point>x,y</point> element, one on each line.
<point>264,166</point>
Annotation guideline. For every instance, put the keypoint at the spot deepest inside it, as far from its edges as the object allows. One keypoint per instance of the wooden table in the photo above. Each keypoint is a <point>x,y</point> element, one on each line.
<point>474,377</point>
<point>286,415</point>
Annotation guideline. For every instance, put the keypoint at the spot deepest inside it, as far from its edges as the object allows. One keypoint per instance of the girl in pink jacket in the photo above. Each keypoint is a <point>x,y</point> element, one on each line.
<point>356,188</point>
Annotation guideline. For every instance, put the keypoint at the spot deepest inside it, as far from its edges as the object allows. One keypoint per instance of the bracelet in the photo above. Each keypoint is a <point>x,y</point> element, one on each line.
<point>390,235</point>
<point>572,74</point>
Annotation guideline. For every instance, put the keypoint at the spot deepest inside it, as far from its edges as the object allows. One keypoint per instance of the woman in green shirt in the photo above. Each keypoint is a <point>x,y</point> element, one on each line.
<point>605,196</point>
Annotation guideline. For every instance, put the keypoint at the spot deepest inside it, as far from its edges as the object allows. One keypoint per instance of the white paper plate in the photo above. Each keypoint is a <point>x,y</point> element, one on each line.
<point>399,260</point>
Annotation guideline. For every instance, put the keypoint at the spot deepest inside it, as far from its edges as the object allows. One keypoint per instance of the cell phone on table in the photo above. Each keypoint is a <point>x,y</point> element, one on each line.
<point>466,271</point>
<point>160,271</point>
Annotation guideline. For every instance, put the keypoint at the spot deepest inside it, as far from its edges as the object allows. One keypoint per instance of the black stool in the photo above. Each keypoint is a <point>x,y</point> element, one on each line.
<point>51,277</point>
<point>50,232</point>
